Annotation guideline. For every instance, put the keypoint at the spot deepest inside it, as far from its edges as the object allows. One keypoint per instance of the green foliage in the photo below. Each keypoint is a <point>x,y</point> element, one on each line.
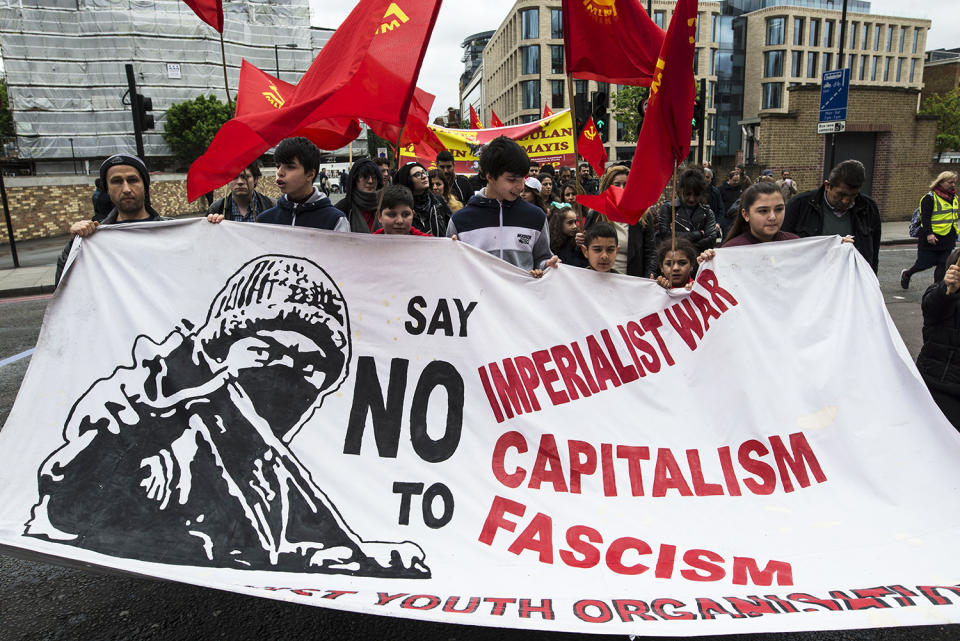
<point>375,142</point>
<point>190,126</point>
<point>947,108</point>
<point>624,103</point>
<point>6,115</point>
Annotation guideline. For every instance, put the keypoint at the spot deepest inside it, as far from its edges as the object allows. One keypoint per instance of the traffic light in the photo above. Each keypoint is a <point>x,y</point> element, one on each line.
<point>581,110</point>
<point>600,117</point>
<point>697,114</point>
<point>141,105</point>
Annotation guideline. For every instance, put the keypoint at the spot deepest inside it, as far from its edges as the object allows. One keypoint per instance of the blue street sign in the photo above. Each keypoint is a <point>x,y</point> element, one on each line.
<point>834,90</point>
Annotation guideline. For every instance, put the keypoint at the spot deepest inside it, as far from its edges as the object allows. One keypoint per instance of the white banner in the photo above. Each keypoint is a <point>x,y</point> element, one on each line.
<point>411,427</point>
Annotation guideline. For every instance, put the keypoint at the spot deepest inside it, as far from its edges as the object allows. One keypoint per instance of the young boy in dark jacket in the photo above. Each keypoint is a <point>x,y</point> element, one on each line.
<point>302,204</point>
<point>500,222</point>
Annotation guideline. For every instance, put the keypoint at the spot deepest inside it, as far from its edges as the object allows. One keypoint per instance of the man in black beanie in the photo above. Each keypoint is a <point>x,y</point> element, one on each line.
<point>128,185</point>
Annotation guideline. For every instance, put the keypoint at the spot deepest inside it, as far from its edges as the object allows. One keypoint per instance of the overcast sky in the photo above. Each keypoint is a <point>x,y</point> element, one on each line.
<point>460,18</point>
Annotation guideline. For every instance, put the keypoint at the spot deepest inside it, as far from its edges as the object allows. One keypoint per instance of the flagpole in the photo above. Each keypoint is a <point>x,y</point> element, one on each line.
<point>380,199</point>
<point>673,212</point>
<point>223,62</point>
<point>571,97</point>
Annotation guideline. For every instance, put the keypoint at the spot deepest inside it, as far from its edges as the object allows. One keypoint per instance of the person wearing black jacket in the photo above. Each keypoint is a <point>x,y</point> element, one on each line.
<point>637,253</point>
<point>244,203</point>
<point>695,220</point>
<point>939,359</point>
<point>839,208</point>
<point>460,187</point>
<point>431,213</point>
<point>359,204</point>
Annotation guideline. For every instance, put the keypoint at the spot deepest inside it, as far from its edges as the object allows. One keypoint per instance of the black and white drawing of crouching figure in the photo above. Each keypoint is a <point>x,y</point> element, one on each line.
<point>184,456</point>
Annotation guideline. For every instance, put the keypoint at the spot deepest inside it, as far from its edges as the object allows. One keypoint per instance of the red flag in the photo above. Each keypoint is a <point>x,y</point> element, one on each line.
<point>610,42</point>
<point>416,131</point>
<point>210,11</point>
<point>494,120</point>
<point>258,92</point>
<point>664,139</point>
<point>475,122</point>
<point>590,147</point>
<point>367,69</point>
<point>546,111</point>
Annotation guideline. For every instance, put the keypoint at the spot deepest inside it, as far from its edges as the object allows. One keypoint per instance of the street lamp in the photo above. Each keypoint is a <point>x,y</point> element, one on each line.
<point>276,54</point>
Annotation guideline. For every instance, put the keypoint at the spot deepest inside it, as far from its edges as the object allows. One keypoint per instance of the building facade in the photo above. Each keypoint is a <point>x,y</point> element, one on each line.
<point>64,62</point>
<point>524,68</point>
<point>941,71</point>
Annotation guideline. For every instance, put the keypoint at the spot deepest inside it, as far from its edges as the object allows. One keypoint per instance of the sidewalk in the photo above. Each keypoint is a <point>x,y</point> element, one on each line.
<point>38,261</point>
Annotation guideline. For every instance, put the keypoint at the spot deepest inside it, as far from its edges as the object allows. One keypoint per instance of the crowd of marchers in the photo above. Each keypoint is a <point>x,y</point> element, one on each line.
<point>528,215</point>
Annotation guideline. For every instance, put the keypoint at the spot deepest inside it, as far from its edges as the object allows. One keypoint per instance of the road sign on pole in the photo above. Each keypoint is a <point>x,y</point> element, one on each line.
<point>832,127</point>
<point>834,91</point>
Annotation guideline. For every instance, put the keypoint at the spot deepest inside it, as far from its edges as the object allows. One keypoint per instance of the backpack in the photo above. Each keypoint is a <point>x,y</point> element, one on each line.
<point>915,227</point>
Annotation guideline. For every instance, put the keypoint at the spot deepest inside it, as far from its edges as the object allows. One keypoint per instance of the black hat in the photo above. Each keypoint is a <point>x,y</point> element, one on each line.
<point>133,161</point>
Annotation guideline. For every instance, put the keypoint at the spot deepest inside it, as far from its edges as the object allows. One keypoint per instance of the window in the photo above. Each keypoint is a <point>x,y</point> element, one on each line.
<point>886,69</point>
<point>798,31</point>
<point>531,24</point>
<point>916,38</point>
<point>827,61</point>
<point>828,26</point>
<point>876,66</point>
<point>715,28</point>
<point>796,64</point>
<point>852,40</point>
<point>812,60</point>
<point>773,64</point>
<point>814,32</point>
<point>556,58</point>
<point>864,63</point>
<point>866,35</point>
<point>913,69</point>
<point>772,94</point>
<point>775,28</point>
<point>903,38</point>
<point>659,17</point>
<point>877,30</point>
<point>712,94</point>
<point>853,66</point>
<point>696,61</point>
<point>899,68</point>
<point>556,94</point>
<point>715,62</point>
<point>890,30</point>
<point>556,24</point>
<point>696,32</point>
<point>621,130</point>
<point>531,94</point>
<point>581,87</point>
<point>531,59</point>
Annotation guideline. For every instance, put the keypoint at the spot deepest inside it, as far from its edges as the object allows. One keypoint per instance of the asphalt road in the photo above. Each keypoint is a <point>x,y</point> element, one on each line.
<point>39,601</point>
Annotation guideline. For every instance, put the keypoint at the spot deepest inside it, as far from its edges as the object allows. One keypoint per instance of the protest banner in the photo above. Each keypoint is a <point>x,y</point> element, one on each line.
<point>585,452</point>
<point>549,141</point>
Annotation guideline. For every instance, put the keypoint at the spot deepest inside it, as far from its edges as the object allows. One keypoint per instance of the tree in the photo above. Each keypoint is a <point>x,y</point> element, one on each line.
<point>625,103</point>
<point>190,126</point>
<point>375,142</point>
<point>6,115</point>
<point>946,108</point>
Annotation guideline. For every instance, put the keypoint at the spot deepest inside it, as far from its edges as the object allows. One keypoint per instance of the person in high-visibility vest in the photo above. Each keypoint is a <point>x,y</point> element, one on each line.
<point>938,228</point>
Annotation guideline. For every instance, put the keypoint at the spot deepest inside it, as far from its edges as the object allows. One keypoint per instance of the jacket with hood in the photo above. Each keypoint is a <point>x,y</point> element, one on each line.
<point>316,211</point>
<point>697,224</point>
<point>512,230</point>
<point>348,205</point>
<point>805,213</point>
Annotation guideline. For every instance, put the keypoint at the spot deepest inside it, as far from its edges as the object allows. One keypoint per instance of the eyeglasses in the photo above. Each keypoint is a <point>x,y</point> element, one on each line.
<point>417,174</point>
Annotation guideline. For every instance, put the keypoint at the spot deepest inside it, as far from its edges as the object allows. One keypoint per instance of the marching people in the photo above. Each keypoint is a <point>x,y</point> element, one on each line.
<point>730,191</point>
<point>788,186</point>
<point>546,187</point>
<point>460,186</point>
<point>431,212</point>
<point>938,228</point>
<point>385,170</point>
<point>677,263</point>
<point>636,254</point>
<point>101,201</point>
<point>359,203</point>
<point>301,204</point>
<point>587,182</point>
<point>760,219</point>
<point>938,361</point>
<point>715,202</point>
<point>440,185</point>
<point>838,207</point>
<point>564,226</point>
<point>695,220</point>
<point>127,183</point>
<point>600,248</point>
<point>531,193</point>
<point>396,213</point>
<point>500,222</point>
<point>244,203</point>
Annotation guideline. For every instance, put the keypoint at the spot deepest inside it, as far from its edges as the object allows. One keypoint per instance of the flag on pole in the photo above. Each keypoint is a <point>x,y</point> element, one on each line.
<point>494,120</point>
<point>210,11</point>
<point>416,131</point>
<point>610,42</point>
<point>367,70</point>
<point>546,111</point>
<point>590,147</point>
<point>664,139</point>
<point>475,122</point>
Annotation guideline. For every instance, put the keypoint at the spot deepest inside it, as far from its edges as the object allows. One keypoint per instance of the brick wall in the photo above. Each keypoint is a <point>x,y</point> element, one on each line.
<point>903,166</point>
<point>46,206</point>
<point>941,77</point>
